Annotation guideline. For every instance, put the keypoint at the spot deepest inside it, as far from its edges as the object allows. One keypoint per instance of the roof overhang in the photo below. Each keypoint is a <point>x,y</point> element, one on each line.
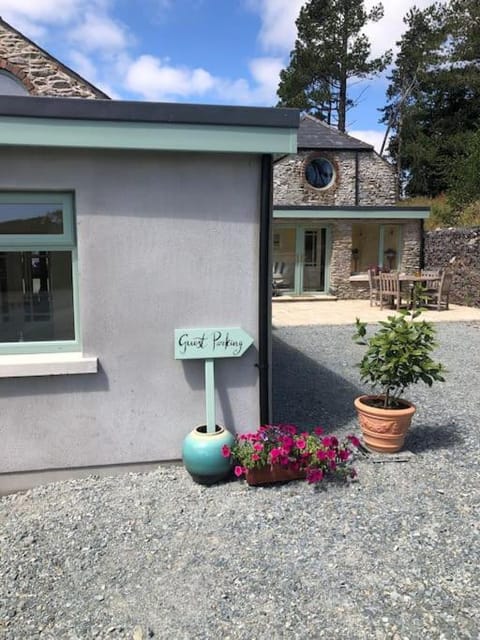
<point>345,213</point>
<point>108,124</point>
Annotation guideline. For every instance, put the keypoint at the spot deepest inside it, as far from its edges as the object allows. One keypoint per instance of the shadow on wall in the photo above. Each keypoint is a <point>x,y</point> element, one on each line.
<point>308,394</point>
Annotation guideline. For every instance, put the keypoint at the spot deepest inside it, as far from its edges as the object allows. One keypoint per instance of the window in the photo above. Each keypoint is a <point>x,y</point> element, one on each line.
<point>9,85</point>
<point>37,273</point>
<point>319,173</point>
<point>375,245</point>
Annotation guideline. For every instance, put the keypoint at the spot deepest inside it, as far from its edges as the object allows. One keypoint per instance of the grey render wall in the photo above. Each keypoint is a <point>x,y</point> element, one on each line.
<point>376,180</point>
<point>459,250</point>
<point>165,241</point>
<point>39,72</point>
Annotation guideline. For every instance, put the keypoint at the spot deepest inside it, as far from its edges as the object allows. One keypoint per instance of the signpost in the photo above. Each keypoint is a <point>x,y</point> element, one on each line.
<point>209,344</point>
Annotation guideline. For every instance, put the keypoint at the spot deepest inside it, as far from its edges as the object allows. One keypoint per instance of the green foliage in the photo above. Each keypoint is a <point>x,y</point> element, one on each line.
<point>330,49</point>
<point>465,184</point>
<point>398,355</point>
<point>434,94</point>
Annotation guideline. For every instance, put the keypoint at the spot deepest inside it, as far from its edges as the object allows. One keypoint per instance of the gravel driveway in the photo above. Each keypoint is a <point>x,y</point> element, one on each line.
<point>392,556</point>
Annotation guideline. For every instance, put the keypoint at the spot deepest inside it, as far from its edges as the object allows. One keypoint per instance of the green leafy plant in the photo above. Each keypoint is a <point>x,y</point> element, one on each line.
<point>319,456</point>
<point>398,355</point>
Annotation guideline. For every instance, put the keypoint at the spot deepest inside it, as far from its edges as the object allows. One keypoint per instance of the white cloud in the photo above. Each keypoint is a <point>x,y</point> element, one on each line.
<point>278,30</point>
<point>99,33</point>
<point>157,79</point>
<point>371,136</point>
<point>384,34</point>
<point>42,11</point>
<point>265,73</point>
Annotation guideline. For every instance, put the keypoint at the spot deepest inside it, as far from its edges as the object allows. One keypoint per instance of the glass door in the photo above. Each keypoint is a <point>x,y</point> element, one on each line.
<point>314,241</point>
<point>299,259</point>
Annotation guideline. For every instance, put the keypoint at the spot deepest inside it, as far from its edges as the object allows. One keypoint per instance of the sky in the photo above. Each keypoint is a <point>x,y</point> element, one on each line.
<point>197,51</point>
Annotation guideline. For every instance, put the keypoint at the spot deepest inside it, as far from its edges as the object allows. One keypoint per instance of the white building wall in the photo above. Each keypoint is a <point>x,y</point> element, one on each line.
<point>164,241</point>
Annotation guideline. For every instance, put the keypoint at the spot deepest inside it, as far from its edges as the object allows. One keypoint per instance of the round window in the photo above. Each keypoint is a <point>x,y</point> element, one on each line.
<point>319,173</point>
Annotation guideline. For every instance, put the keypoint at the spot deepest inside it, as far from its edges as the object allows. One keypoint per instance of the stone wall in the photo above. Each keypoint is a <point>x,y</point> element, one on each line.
<point>376,180</point>
<point>39,72</point>
<point>459,249</point>
<point>341,256</point>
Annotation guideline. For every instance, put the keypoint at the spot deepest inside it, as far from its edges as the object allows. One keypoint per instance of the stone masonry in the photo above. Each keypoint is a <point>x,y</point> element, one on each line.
<point>459,250</point>
<point>376,180</point>
<point>39,72</point>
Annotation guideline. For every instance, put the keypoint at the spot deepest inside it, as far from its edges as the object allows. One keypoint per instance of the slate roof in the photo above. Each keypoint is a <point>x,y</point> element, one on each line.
<point>315,134</point>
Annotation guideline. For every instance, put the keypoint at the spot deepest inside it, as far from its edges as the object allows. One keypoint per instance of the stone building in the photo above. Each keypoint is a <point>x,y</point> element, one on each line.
<point>27,69</point>
<point>335,215</point>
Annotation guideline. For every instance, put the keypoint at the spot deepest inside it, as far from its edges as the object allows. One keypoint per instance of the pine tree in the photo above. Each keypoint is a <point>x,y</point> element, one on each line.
<point>330,51</point>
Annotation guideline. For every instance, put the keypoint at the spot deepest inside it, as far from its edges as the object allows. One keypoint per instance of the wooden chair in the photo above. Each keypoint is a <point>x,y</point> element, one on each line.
<point>374,290</point>
<point>438,297</point>
<point>390,290</point>
<point>432,278</point>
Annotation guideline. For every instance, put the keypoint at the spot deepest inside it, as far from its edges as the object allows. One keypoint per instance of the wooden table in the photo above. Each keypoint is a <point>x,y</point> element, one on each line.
<point>411,280</point>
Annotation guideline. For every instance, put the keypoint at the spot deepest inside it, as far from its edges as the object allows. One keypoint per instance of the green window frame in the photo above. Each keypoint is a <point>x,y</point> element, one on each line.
<point>64,241</point>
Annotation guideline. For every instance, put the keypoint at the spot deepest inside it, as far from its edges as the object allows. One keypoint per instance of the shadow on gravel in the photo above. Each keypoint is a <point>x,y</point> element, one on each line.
<point>307,394</point>
<point>427,438</point>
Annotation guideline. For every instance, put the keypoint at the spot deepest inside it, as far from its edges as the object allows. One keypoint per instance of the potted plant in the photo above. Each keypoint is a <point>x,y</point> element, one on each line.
<point>278,453</point>
<point>397,356</point>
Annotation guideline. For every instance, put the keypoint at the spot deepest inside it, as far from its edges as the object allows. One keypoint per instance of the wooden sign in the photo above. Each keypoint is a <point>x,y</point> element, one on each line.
<point>209,344</point>
<point>231,342</point>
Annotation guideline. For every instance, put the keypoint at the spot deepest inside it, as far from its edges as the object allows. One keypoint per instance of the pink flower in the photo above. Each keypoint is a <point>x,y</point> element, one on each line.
<point>314,476</point>
<point>239,471</point>
<point>321,455</point>
<point>331,455</point>
<point>354,440</point>
<point>226,451</point>
<point>258,446</point>
<point>318,431</point>
<point>255,457</point>
<point>301,444</point>
<point>344,454</point>
<point>327,441</point>
<point>274,454</point>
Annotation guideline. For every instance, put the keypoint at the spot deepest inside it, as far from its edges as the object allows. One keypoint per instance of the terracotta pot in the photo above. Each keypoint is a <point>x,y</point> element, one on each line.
<point>269,475</point>
<point>384,430</point>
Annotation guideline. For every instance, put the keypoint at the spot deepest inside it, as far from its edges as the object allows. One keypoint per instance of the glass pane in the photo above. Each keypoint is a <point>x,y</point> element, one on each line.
<point>365,239</point>
<point>314,262</point>
<point>391,243</point>
<point>36,296</point>
<point>283,260</point>
<point>31,218</point>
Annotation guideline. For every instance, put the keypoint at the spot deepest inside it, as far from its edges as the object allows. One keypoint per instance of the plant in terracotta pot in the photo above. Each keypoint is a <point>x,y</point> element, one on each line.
<point>397,356</point>
<point>278,453</point>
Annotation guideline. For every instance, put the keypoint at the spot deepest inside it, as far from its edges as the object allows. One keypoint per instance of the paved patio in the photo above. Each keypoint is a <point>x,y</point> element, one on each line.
<point>335,312</point>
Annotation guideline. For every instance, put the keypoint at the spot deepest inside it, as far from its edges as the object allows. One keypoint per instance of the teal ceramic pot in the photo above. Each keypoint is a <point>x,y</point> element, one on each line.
<point>202,454</point>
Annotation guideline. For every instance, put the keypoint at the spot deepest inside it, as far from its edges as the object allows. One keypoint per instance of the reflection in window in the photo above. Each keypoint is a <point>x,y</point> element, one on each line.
<point>375,245</point>
<point>319,173</point>
<point>30,218</point>
<point>10,86</point>
<point>36,296</point>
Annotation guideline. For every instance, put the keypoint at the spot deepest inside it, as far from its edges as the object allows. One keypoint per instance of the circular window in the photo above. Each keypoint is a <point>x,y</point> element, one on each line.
<point>319,173</point>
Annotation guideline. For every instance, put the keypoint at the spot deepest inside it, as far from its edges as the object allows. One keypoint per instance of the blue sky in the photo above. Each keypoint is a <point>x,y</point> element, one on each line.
<point>200,51</point>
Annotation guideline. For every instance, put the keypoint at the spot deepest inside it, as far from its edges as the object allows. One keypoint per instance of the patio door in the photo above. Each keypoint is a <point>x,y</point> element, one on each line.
<point>299,259</point>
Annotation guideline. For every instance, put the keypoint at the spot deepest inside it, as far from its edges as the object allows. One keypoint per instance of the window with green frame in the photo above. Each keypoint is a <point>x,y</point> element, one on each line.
<point>375,245</point>
<point>38,283</point>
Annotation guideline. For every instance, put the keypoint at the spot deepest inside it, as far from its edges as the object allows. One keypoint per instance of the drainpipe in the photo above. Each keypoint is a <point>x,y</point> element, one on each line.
<point>422,243</point>
<point>265,290</point>
<point>357,186</point>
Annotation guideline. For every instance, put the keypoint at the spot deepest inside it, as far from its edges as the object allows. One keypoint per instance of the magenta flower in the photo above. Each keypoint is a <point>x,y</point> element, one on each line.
<point>318,431</point>
<point>226,451</point>
<point>258,446</point>
<point>301,444</point>
<point>344,454</point>
<point>327,441</point>
<point>354,440</point>
<point>314,476</point>
<point>239,471</point>
<point>255,457</point>
<point>321,455</point>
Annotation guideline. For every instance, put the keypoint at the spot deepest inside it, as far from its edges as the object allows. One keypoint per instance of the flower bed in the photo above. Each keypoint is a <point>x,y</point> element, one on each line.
<point>311,455</point>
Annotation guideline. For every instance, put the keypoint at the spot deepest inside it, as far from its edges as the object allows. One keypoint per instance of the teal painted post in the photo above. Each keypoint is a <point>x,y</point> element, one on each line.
<point>210,394</point>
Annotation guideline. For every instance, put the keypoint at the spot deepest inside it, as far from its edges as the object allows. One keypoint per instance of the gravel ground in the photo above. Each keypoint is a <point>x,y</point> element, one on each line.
<point>392,556</point>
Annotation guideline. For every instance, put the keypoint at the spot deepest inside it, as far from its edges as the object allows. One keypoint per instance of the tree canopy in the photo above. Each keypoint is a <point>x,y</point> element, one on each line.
<point>330,51</point>
<point>434,97</point>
